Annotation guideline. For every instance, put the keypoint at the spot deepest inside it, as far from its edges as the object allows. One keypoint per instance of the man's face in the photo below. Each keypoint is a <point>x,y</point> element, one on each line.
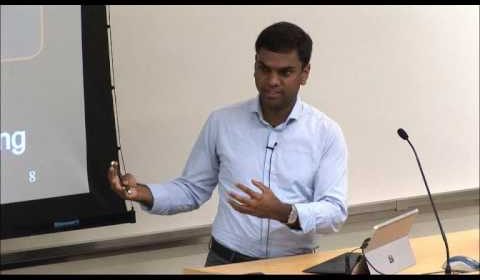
<point>278,77</point>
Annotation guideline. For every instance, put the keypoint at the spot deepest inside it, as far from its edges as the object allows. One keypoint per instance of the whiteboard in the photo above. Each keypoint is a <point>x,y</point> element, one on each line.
<point>373,69</point>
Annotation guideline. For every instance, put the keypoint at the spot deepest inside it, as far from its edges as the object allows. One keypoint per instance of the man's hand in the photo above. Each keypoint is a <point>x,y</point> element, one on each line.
<point>126,186</point>
<point>263,204</point>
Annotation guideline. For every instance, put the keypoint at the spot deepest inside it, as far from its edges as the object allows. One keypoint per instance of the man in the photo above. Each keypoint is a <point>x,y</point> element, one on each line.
<point>280,164</point>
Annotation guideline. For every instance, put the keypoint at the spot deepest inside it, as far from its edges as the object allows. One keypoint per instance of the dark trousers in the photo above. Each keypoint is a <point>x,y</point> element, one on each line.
<point>219,254</point>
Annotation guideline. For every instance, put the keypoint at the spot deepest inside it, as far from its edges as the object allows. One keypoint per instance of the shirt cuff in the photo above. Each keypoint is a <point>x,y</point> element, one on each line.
<point>305,220</point>
<point>308,216</point>
<point>318,217</point>
<point>161,203</point>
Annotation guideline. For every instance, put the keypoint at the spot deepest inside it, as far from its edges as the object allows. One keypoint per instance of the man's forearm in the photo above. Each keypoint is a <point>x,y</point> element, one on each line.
<point>146,195</point>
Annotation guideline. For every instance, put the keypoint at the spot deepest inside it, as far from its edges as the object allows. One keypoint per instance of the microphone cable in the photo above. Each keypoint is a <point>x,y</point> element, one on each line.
<point>347,264</point>
<point>114,94</point>
<point>363,247</point>
<point>366,259</point>
<point>269,174</point>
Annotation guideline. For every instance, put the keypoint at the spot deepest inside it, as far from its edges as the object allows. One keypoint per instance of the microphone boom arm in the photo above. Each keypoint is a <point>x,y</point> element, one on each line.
<point>448,269</point>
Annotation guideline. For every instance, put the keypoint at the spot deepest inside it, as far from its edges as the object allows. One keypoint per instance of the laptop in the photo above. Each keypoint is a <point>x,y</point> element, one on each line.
<point>389,250</point>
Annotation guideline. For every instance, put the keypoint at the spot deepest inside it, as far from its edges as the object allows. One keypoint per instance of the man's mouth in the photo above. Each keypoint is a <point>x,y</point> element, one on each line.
<point>272,93</point>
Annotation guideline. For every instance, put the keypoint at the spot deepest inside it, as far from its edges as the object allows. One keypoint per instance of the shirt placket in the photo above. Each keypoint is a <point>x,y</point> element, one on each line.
<point>271,147</point>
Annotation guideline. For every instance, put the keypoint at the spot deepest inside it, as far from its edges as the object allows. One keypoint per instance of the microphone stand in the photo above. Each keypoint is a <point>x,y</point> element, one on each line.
<point>448,269</point>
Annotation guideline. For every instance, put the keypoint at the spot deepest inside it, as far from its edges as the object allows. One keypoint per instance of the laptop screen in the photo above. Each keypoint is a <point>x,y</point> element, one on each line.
<point>392,230</point>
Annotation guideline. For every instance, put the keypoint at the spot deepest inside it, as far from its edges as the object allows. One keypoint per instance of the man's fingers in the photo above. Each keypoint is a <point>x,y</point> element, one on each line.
<point>248,191</point>
<point>239,207</point>
<point>113,171</point>
<point>241,199</point>
<point>116,168</point>
<point>112,178</point>
<point>129,180</point>
<point>117,186</point>
<point>126,192</point>
<point>259,185</point>
<point>131,193</point>
<point>124,186</point>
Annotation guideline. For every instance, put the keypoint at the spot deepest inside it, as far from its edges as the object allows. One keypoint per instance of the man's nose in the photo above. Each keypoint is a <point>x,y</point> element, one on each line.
<point>273,79</point>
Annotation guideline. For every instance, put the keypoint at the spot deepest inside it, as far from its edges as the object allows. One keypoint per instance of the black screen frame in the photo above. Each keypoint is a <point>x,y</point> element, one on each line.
<point>101,206</point>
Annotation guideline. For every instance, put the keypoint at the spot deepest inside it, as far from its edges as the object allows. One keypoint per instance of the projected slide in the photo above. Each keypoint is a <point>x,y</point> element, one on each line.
<point>57,122</point>
<point>23,26</point>
<point>43,138</point>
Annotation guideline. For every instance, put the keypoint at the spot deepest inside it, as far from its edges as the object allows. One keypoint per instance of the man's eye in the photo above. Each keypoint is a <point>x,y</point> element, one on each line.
<point>286,73</point>
<point>263,68</point>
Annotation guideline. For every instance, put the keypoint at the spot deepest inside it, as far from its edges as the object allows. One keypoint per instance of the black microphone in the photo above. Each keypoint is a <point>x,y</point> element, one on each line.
<point>272,148</point>
<point>403,134</point>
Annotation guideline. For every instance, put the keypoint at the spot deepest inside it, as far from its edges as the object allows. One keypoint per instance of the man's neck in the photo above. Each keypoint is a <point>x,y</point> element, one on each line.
<point>275,117</point>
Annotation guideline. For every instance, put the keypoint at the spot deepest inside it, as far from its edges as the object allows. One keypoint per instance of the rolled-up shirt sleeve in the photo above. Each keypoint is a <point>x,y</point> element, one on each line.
<point>197,182</point>
<point>328,210</point>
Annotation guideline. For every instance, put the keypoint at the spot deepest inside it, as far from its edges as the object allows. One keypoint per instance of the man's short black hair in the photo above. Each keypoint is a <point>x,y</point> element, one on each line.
<point>284,37</point>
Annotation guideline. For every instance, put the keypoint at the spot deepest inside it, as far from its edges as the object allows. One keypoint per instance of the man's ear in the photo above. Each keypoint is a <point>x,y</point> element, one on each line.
<point>304,74</point>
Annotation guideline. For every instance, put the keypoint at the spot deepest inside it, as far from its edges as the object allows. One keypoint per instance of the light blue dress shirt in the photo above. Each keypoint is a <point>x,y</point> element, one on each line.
<point>307,168</point>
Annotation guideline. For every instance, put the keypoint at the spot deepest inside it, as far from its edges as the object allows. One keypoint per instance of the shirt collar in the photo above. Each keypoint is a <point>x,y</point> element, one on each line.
<point>296,112</point>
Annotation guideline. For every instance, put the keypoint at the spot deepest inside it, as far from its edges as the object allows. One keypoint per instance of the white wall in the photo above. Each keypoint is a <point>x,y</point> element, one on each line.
<point>374,69</point>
